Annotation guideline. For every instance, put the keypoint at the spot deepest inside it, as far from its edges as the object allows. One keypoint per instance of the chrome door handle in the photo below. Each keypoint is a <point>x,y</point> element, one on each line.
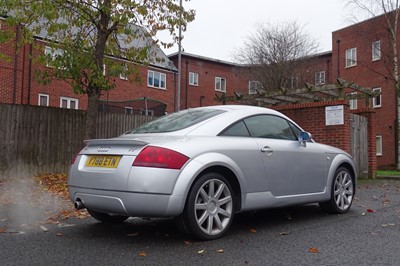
<point>267,150</point>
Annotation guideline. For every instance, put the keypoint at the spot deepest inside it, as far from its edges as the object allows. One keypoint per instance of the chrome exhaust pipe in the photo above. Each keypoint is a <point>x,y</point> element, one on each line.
<point>78,204</point>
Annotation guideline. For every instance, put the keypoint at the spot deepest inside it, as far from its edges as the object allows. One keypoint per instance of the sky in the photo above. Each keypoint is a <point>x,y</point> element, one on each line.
<point>221,26</point>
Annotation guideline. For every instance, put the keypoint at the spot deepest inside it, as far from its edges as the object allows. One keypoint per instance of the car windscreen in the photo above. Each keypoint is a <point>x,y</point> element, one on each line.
<point>177,121</point>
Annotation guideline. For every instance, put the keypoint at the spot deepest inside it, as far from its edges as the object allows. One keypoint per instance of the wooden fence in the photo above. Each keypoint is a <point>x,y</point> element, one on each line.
<point>35,139</point>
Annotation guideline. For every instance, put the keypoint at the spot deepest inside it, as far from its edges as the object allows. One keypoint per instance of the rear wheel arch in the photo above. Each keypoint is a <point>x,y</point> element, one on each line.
<point>231,177</point>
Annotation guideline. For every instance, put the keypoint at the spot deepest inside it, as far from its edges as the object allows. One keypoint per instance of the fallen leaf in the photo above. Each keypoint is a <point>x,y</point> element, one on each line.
<point>44,228</point>
<point>385,225</point>
<point>283,233</point>
<point>314,250</point>
<point>201,251</point>
<point>220,250</point>
<point>133,234</point>
<point>142,254</point>
<point>59,234</point>
<point>2,230</point>
<point>253,230</point>
<point>370,210</point>
<point>187,242</point>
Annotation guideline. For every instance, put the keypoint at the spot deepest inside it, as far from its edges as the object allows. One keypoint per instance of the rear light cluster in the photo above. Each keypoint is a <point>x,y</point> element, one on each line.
<point>160,158</point>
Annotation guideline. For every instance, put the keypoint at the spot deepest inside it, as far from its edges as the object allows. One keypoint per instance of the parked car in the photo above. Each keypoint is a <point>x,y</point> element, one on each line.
<point>204,165</point>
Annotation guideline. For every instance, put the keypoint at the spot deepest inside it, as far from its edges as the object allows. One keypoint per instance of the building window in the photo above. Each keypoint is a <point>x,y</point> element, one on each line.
<point>147,112</point>
<point>128,110</point>
<point>292,83</point>
<point>193,79</point>
<point>220,84</point>
<point>320,78</point>
<point>43,99</point>
<point>376,50</point>
<point>254,86</point>
<point>351,57</point>
<point>69,103</point>
<point>378,145</point>
<point>51,56</point>
<point>156,79</point>
<point>377,101</point>
<point>123,74</point>
<point>352,102</point>
<point>104,69</point>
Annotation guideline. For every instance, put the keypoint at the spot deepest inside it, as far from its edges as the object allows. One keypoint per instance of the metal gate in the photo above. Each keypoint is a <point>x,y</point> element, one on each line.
<point>359,143</point>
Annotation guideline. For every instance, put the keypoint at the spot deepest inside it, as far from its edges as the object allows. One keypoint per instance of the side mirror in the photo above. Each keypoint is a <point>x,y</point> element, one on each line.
<point>304,137</point>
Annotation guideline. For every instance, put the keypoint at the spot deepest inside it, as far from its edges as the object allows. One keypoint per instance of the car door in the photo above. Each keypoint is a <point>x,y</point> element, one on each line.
<point>289,167</point>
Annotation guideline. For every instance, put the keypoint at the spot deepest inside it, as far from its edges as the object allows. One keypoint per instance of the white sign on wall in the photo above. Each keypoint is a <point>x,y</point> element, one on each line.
<point>334,115</point>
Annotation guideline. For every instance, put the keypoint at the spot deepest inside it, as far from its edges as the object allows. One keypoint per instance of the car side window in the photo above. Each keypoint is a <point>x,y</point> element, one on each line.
<point>269,126</point>
<point>238,129</point>
<point>295,129</point>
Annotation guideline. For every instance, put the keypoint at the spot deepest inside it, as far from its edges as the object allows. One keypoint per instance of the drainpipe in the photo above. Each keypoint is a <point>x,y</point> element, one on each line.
<point>23,75</point>
<point>338,57</point>
<point>15,65</point>
<point>30,73</point>
<point>186,83</point>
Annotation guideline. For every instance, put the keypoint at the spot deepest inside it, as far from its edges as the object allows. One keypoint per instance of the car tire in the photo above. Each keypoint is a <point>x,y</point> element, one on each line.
<point>209,208</point>
<point>107,218</point>
<point>342,192</point>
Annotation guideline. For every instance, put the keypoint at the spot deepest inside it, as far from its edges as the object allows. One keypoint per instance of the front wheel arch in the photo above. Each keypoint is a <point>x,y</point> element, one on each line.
<point>342,191</point>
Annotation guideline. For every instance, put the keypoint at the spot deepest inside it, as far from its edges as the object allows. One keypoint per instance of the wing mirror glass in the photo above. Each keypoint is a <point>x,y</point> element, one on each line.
<point>304,137</point>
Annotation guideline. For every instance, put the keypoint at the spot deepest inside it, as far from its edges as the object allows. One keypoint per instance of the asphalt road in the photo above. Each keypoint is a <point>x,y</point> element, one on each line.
<point>368,235</point>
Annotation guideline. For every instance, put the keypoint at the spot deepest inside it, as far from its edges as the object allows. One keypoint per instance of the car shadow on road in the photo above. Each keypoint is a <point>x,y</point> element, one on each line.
<point>146,230</point>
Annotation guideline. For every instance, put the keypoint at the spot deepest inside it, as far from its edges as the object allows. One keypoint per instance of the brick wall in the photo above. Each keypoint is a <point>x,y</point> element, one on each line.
<point>311,117</point>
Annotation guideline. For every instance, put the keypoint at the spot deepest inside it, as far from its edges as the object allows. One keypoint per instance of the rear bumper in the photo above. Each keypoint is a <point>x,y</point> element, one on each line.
<point>128,203</point>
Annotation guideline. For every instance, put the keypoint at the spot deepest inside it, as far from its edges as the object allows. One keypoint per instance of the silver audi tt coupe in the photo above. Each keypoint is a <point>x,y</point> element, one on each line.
<point>204,165</point>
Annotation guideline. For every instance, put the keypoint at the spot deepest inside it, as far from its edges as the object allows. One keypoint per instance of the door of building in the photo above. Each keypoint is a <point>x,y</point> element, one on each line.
<point>359,143</point>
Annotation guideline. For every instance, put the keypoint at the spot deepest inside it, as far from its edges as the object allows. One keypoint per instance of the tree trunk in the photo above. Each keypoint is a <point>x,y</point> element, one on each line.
<point>92,114</point>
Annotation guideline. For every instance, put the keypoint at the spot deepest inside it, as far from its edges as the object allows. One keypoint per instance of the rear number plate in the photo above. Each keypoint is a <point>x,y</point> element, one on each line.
<point>103,161</point>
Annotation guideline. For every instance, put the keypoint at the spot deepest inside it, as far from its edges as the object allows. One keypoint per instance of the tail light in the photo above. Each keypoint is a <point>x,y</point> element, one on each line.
<point>160,158</point>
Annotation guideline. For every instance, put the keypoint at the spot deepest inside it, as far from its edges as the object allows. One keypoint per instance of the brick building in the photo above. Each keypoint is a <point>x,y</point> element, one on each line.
<point>205,79</point>
<point>18,82</point>
<point>360,53</point>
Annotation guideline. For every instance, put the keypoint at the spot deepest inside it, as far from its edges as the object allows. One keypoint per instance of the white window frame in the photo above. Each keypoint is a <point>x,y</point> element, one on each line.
<point>45,96</point>
<point>220,84</point>
<point>375,102</point>
<point>122,75</point>
<point>148,113</point>
<point>128,110</point>
<point>193,79</point>
<point>379,146</point>
<point>254,85</point>
<point>320,78</point>
<point>376,50</point>
<point>69,100</point>
<point>351,57</point>
<point>353,103</point>
<point>152,76</point>
<point>104,70</point>
<point>53,52</point>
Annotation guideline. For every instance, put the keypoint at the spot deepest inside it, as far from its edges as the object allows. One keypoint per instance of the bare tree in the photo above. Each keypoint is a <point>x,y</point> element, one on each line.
<point>275,55</point>
<point>390,10</point>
